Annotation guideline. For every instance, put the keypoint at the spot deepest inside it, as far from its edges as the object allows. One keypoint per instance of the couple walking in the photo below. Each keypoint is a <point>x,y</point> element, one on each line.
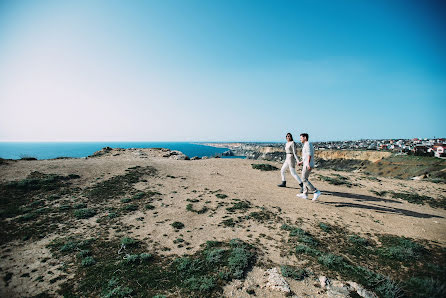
<point>307,162</point>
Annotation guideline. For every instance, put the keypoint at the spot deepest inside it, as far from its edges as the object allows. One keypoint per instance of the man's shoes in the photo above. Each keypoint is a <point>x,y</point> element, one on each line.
<point>283,184</point>
<point>302,196</point>
<point>316,195</point>
<point>301,187</point>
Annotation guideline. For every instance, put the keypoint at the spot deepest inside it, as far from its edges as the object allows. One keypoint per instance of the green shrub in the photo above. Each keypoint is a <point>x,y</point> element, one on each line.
<point>84,213</point>
<point>131,207</point>
<point>331,261</point>
<point>129,242</point>
<point>177,225</point>
<point>145,257</point>
<point>83,253</point>
<point>131,259</point>
<point>288,271</point>
<point>201,284</point>
<point>425,287</point>
<point>239,261</point>
<point>126,200</point>
<point>88,261</point>
<point>138,195</point>
<point>80,205</point>
<point>149,207</point>
<point>301,248</point>
<point>221,196</point>
<point>264,167</point>
<point>242,205</point>
<point>400,248</point>
<point>355,239</point>
<point>215,256</point>
<point>325,227</point>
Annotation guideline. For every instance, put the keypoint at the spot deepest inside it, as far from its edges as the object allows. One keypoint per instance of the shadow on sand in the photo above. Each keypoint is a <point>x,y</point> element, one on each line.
<point>380,209</point>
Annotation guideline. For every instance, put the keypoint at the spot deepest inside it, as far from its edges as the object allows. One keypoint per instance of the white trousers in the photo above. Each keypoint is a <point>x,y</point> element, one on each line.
<point>287,164</point>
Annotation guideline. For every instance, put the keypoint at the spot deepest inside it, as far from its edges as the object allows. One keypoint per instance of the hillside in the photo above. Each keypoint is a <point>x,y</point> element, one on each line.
<point>145,222</point>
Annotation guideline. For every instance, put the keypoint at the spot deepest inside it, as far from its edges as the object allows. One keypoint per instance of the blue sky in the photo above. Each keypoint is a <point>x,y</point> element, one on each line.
<point>221,70</point>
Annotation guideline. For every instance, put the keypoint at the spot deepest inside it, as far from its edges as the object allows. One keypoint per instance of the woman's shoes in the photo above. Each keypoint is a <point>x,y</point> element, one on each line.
<point>283,184</point>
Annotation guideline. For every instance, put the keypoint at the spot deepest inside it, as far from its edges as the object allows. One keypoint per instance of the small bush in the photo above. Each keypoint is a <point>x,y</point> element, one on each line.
<point>325,227</point>
<point>228,222</point>
<point>131,207</point>
<point>400,248</point>
<point>126,200</point>
<point>239,261</point>
<point>221,196</point>
<point>425,287</point>
<point>331,261</point>
<point>215,256</point>
<point>80,206</point>
<point>243,205</point>
<point>84,213</point>
<point>201,284</point>
<point>145,257</point>
<point>301,248</point>
<point>83,253</point>
<point>149,207</point>
<point>177,225</point>
<point>88,261</point>
<point>264,167</point>
<point>288,271</point>
<point>355,239</point>
<point>138,196</point>
<point>130,259</point>
<point>129,242</point>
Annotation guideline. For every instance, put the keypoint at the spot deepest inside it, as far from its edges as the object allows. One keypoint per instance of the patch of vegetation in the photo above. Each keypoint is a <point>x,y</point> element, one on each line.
<point>379,193</point>
<point>242,205</point>
<point>88,261</point>
<point>420,199</point>
<point>129,242</point>
<point>292,272</point>
<point>228,222</point>
<point>261,216</point>
<point>400,248</point>
<point>126,200</point>
<point>130,207</point>
<point>264,167</point>
<point>119,185</point>
<point>304,249</point>
<point>190,208</point>
<point>391,268</point>
<point>80,205</point>
<point>340,164</point>
<point>142,274</point>
<point>149,207</point>
<point>302,236</point>
<point>177,225</point>
<point>139,195</point>
<point>337,179</point>
<point>221,196</point>
<point>84,213</point>
<point>325,227</point>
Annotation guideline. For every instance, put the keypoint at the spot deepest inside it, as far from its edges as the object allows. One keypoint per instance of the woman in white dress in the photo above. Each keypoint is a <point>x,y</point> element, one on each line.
<point>290,161</point>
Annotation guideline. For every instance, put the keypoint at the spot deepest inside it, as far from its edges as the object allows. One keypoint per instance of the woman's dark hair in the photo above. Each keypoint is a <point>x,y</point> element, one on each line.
<point>305,135</point>
<point>291,136</point>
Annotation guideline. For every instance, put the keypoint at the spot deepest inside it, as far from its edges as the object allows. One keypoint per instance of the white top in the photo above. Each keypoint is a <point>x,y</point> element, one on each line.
<point>290,149</point>
<point>308,150</point>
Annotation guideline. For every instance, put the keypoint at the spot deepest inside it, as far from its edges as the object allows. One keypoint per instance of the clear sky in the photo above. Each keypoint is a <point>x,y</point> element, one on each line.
<point>221,70</point>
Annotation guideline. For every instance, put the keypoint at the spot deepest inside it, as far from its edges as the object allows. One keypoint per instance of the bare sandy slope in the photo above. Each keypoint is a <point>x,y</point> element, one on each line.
<point>355,208</point>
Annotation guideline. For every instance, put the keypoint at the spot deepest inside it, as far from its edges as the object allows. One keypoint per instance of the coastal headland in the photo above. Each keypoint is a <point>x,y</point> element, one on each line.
<point>147,222</point>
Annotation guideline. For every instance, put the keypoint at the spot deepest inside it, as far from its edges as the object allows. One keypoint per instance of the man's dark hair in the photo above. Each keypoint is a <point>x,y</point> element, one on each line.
<point>305,135</point>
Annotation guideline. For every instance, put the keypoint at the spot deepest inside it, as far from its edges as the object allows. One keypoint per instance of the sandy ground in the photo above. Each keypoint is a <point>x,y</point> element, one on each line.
<point>356,208</point>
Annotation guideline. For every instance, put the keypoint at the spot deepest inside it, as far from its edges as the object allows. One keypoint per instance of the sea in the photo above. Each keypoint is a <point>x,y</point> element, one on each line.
<point>48,150</point>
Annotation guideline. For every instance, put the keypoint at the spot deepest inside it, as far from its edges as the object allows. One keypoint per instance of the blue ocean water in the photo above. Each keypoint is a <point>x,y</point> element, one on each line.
<point>47,150</point>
